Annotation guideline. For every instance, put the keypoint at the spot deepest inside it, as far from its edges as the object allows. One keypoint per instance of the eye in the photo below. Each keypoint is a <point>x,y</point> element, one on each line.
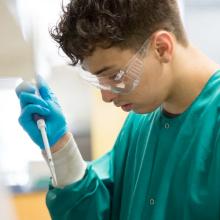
<point>117,76</point>
<point>113,76</point>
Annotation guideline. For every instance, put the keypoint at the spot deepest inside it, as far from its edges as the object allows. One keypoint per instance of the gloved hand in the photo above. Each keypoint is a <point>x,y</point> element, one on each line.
<point>45,105</point>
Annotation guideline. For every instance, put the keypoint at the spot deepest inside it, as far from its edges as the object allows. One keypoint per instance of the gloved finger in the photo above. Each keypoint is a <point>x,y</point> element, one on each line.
<point>25,86</point>
<point>28,98</point>
<point>44,89</point>
<point>30,110</point>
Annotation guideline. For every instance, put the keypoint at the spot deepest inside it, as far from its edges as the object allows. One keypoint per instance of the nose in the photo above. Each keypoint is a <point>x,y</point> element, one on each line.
<point>108,96</point>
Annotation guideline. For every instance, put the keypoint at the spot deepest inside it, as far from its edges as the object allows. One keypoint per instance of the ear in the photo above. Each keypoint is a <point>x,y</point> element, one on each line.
<point>163,43</point>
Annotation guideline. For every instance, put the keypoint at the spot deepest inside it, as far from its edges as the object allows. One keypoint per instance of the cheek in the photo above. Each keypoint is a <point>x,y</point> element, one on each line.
<point>150,76</point>
<point>155,81</point>
<point>148,85</point>
<point>151,91</point>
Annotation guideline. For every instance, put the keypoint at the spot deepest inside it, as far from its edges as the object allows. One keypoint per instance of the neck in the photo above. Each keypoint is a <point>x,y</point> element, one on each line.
<point>190,71</point>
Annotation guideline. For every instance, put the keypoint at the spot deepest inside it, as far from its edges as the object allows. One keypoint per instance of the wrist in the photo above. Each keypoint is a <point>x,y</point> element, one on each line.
<point>68,163</point>
<point>61,142</point>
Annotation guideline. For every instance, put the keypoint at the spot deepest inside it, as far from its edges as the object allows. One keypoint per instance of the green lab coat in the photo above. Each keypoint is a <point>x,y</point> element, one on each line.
<point>161,168</point>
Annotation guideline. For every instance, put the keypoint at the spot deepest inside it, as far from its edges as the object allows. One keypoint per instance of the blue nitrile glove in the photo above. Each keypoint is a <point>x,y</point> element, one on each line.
<point>46,106</point>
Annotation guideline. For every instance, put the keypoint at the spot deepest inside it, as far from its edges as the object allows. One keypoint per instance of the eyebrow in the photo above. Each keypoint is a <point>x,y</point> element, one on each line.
<point>98,72</point>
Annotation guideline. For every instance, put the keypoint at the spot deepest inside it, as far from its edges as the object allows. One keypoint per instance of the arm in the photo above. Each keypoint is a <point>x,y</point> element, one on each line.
<point>81,194</point>
<point>60,143</point>
<point>86,198</point>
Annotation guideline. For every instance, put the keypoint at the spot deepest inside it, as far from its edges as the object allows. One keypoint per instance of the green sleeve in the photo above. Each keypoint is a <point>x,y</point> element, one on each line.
<point>86,199</point>
<point>92,197</point>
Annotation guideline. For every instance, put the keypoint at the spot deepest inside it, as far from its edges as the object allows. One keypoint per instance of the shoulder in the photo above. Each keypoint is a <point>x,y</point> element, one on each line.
<point>208,101</point>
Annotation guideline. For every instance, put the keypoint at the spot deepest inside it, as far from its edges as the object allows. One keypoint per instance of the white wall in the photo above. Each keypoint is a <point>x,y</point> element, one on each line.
<point>202,24</point>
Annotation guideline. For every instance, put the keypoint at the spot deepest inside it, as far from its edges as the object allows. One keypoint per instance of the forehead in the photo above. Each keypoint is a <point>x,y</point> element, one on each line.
<point>102,58</point>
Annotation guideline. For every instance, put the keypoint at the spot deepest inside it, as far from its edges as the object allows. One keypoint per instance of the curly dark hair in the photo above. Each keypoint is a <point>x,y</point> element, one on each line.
<point>87,24</point>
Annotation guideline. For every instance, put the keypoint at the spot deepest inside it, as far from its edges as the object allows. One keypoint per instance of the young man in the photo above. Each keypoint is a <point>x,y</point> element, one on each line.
<point>165,163</point>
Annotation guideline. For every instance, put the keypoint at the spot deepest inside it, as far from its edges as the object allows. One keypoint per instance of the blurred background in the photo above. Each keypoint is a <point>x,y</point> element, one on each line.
<point>25,48</point>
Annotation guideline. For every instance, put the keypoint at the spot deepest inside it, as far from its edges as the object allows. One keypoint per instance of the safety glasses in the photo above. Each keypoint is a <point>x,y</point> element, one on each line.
<point>123,81</point>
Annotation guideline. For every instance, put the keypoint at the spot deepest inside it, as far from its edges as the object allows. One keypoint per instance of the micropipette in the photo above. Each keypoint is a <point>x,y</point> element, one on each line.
<point>42,127</point>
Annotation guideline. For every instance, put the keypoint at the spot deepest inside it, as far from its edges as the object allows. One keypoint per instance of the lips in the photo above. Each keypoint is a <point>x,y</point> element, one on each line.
<point>127,107</point>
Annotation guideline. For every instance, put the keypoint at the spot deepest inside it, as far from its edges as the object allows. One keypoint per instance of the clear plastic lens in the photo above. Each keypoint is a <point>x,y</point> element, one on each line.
<point>123,81</point>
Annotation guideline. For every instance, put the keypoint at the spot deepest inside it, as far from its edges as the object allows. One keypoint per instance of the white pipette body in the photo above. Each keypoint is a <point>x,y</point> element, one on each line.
<point>42,127</point>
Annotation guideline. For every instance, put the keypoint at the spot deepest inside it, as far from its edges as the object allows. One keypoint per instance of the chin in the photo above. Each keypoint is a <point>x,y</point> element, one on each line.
<point>144,110</point>
<point>141,111</point>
